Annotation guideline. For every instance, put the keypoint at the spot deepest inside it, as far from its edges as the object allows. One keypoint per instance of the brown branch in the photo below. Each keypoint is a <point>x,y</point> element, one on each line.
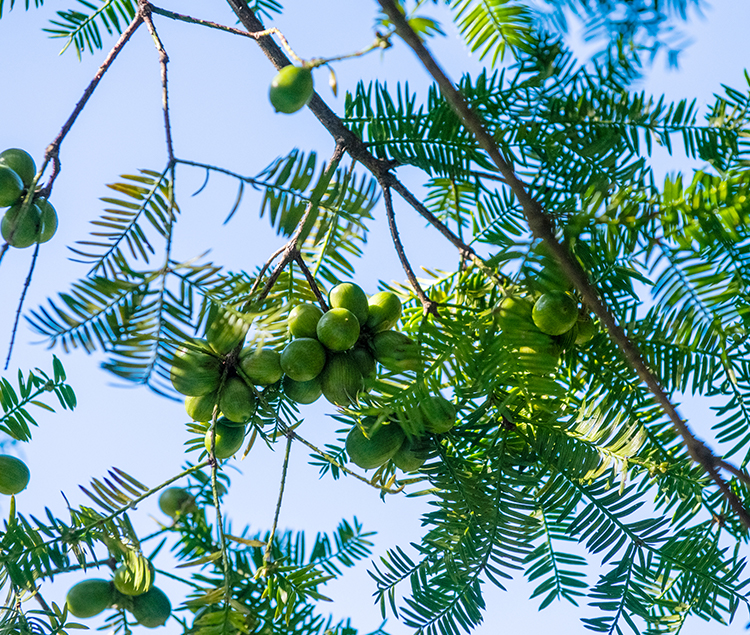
<point>52,153</point>
<point>311,281</point>
<point>541,226</point>
<point>428,306</point>
<point>145,10</point>
<point>26,286</point>
<point>290,251</point>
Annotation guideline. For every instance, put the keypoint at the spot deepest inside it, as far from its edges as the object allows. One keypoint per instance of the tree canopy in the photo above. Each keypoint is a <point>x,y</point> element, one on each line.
<point>530,392</point>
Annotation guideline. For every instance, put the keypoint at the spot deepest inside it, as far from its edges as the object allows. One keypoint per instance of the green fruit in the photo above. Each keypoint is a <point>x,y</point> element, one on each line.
<point>303,320</point>
<point>291,89</point>
<point>48,220</point>
<point>11,186</point>
<point>20,226</point>
<point>586,331</point>
<point>373,452</point>
<point>21,163</point>
<point>174,501</point>
<point>237,401</point>
<point>303,359</point>
<point>341,380</point>
<point>304,392</point>
<point>439,414</point>
<point>90,597</point>
<point>201,408</point>
<point>338,329</point>
<point>262,366</point>
<point>384,311</point>
<point>365,362</point>
<point>228,440</point>
<point>411,454</point>
<point>195,371</point>
<point>14,475</point>
<point>395,351</point>
<point>225,330</point>
<point>135,577</point>
<point>514,313</point>
<point>555,312</point>
<point>349,296</point>
<point>152,609</point>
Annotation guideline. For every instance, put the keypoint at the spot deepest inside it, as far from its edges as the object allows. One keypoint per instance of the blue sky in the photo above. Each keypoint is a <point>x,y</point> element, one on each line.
<point>221,115</point>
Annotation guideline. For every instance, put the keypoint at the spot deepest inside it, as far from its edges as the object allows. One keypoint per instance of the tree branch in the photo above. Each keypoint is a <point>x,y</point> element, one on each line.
<point>428,306</point>
<point>541,226</point>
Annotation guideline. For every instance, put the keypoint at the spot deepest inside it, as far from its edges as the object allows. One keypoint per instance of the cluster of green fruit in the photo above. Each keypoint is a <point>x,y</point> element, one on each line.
<point>25,222</point>
<point>291,89</point>
<point>14,475</point>
<point>131,588</point>
<point>544,328</point>
<point>371,445</point>
<point>212,374</point>
<point>334,354</point>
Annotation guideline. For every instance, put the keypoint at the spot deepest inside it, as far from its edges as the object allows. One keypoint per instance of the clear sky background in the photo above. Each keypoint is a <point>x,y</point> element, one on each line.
<point>221,115</point>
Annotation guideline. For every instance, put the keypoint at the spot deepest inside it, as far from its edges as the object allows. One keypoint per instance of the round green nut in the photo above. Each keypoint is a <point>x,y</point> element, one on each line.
<point>291,89</point>
<point>365,362</point>
<point>152,609</point>
<point>225,330</point>
<point>341,380</point>
<point>373,452</point>
<point>21,225</point>
<point>14,475</point>
<point>90,597</point>
<point>228,440</point>
<point>555,312</point>
<point>514,313</point>
<point>175,501</point>
<point>48,220</point>
<point>351,297</point>
<point>21,163</point>
<point>201,408</point>
<point>237,400</point>
<point>302,392</point>
<point>262,366</point>
<point>135,577</point>
<point>439,414</point>
<point>411,455</point>
<point>11,186</point>
<point>338,329</point>
<point>384,311</point>
<point>586,331</point>
<point>195,371</point>
<point>303,320</point>
<point>303,359</point>
<point>395,351</point>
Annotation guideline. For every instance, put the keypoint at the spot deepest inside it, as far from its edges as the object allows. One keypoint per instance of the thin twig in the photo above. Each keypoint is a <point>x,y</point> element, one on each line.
<point>26,285</point>
<point>311,281</point>
<point>428,306</point>
<point>290,251</point>
<point>267,554</point>
<point>52,153</point>
<point>541,226</point>
<point>146,9</point>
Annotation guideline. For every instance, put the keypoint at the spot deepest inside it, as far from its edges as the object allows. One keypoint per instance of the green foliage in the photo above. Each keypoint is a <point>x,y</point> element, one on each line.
<point>16,419</point>
<point>82,27</point>
<point>560,468</point>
